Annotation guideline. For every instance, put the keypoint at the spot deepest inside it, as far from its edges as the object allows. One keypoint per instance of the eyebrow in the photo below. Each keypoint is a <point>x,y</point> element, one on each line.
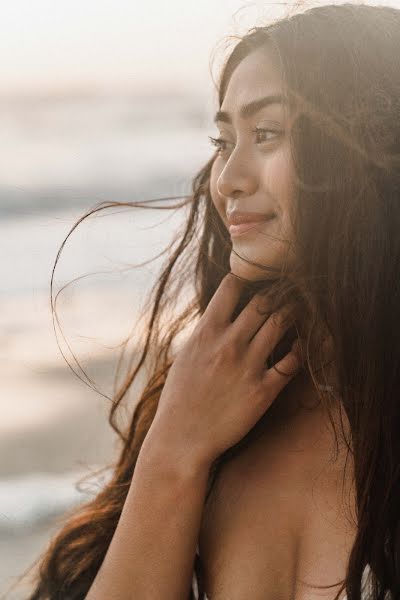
<point>248,110</point>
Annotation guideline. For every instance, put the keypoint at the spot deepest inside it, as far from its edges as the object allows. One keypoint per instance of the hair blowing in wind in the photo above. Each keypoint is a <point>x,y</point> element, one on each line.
<point>341,74</point>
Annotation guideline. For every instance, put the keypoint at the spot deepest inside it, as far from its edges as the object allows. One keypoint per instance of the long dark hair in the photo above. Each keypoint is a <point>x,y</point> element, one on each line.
<point>341,72</point>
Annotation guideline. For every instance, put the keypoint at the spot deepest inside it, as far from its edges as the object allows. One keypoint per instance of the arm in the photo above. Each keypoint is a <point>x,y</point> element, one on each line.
<point>216,390</point>
<point>152,552</point>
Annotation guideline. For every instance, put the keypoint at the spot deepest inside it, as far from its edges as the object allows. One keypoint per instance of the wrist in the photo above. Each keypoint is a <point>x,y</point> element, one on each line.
<point>172,458</point>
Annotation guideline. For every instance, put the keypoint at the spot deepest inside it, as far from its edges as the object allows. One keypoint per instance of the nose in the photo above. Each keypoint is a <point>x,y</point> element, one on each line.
<point>238,177</point>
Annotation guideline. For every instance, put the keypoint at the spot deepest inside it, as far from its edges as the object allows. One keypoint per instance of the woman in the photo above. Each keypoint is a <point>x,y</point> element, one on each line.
<point>277,462</point>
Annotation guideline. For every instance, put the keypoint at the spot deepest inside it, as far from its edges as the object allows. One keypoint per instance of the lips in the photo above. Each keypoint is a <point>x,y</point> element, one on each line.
<point>241,222</point>
<point>237,217</point>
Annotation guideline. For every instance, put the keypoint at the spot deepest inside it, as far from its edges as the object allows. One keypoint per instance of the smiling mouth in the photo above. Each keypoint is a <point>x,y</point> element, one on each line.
<point>242,228</point>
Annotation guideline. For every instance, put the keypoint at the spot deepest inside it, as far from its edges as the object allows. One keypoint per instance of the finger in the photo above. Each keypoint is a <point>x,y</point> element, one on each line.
<point>279,375</point>
<point>225,299</point>
<point>269,335</point>
<point>252,317</point>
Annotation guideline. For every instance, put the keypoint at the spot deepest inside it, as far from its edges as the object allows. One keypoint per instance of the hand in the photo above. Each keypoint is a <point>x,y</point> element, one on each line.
<point>218,386</point>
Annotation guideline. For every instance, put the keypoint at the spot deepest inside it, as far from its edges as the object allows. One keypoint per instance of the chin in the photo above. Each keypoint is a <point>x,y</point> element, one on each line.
<point>250,272</point>
<point>280,259</point>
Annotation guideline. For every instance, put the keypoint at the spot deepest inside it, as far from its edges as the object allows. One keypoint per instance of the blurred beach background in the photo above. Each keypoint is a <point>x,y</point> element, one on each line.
<point>99,102</point>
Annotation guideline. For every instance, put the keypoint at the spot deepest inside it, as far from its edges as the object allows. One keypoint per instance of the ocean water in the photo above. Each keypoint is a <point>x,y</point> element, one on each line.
<point>49,495</point>
<point>60,152</point>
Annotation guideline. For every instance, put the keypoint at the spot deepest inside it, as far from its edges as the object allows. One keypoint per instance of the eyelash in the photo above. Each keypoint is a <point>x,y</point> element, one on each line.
<point>218,142</point>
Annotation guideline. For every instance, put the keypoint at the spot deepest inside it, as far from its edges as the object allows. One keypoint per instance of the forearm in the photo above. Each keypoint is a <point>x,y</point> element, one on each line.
<point>152,551</point>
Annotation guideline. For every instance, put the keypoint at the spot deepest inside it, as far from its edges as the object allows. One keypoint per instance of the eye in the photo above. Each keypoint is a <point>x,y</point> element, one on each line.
<point>219,143</point>
<point>262,134</point>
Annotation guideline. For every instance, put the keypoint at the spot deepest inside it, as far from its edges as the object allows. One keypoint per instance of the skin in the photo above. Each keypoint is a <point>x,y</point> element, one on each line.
<point>252,171</point>
<point>276,519</point>
<point>310,534</point>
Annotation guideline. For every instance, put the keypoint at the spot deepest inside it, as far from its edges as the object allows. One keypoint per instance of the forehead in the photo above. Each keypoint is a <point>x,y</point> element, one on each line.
<point>256,76</point>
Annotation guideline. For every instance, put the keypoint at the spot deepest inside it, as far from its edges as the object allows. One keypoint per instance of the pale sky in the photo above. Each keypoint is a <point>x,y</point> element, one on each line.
<point>64,43</point>
<point>121,43</point>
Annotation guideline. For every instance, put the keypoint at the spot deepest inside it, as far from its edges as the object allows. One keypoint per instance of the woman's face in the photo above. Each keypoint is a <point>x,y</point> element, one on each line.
<point>252,170</point>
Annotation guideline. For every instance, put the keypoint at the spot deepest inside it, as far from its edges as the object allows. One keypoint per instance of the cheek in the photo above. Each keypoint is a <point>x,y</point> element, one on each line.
<point>218,200</point>
<point>277,183</point>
